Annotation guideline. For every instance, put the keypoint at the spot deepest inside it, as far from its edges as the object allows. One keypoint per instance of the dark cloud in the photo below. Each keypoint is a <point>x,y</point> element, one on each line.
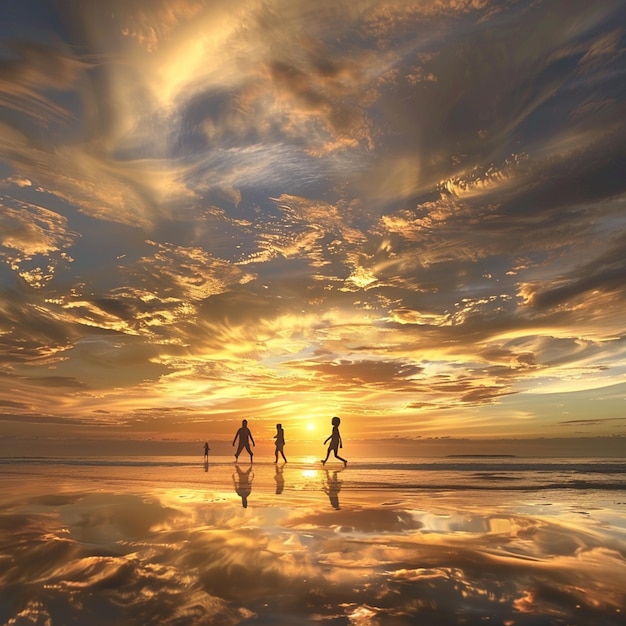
<point>593,421</point>
<point>29,73</point>
<point>361,373</point>
<point>56,381</point>
<point>31,333</point>
<point>603,273</point>
<point>11,404</point>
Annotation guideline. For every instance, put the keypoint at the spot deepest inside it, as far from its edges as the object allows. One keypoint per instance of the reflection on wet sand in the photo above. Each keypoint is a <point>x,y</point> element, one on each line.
<point>243,484</point>
<point>332,487</point>
<point>191,554</point>
<point>279,478</point>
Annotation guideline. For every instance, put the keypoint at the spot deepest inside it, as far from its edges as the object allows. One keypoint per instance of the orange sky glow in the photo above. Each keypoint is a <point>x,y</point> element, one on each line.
<point>407,214</point>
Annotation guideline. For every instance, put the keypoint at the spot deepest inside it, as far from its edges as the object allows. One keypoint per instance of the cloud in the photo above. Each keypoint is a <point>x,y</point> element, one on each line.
<point>592,421</point>
<point>29,70</point>
<point>30,334</point>
<point>421,200</point>
<point>600,274</point>
<point>33,242</point>
<point>56,381</point>
<point>365,373</point>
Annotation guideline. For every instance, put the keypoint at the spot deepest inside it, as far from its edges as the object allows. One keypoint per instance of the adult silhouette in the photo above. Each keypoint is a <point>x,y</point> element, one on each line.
<point>280,442</point>
<point>206,450</point>
<point>335,442</point>
<point>245,437</point>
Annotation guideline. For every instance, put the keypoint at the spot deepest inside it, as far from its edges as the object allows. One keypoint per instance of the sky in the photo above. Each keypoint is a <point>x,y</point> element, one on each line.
<point>406,213</point>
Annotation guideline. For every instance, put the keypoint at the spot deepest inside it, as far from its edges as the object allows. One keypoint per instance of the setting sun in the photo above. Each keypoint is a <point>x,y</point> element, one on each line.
<point>310,426</point>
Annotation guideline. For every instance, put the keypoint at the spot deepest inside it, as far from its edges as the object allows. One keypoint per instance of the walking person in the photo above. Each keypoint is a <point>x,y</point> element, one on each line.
<point>245,437</point>
<point>335,442</point>
<point>280,442</point>
<point>206,450</point>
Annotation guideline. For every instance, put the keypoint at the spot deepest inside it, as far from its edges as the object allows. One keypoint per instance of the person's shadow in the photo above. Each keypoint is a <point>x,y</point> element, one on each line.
<point>243,484</point>
<point>332,487</point>
<point>280,480</point>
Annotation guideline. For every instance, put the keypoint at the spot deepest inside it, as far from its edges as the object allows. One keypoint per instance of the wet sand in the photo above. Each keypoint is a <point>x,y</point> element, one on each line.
<point>302,544</point>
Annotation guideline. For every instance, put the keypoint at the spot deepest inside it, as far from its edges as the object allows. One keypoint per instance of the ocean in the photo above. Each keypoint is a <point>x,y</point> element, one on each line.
<point>174,540</point>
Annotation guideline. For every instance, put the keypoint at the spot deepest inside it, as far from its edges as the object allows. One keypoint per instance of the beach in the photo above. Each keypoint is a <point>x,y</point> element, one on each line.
<point>173,540</point>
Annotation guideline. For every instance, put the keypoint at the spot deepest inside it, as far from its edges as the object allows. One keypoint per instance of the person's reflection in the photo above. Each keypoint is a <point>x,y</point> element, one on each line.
<point>243,484</point>
<point>332,487</point>
<point>280,480</point>
<point>206,466</point>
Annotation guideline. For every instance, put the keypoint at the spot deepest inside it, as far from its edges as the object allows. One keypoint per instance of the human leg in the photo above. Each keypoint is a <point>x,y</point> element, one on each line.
<point>327,454</point>
<point>340,458</point>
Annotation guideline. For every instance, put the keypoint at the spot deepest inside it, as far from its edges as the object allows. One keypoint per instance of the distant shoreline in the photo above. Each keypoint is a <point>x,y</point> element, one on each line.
<point>481,456</point>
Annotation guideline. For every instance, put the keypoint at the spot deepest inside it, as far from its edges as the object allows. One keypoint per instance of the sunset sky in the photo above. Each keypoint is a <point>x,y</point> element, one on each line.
<point>407,213</point>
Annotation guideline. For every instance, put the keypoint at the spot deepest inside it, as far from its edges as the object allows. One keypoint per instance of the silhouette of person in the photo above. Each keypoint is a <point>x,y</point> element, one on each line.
<point>280,442</point>
<point>335,442</point>
<point>245,437</point>
<point>206,450</point>
<point>332,488</point>
<point>280,480</point>
<point>243,484</point>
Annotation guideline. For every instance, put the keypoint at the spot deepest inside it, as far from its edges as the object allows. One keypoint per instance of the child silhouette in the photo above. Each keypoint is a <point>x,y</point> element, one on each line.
<point>335,442</point>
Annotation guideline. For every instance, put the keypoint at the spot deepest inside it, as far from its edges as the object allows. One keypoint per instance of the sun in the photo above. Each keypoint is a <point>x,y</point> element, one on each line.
<point>310,426</point>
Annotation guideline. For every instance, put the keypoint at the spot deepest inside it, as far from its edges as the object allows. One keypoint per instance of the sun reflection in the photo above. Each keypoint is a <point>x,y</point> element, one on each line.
<point>310,460</point>
<point>309,473</point>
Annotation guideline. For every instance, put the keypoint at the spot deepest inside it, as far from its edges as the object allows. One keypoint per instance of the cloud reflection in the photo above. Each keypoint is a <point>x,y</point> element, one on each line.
<point>182,555</point>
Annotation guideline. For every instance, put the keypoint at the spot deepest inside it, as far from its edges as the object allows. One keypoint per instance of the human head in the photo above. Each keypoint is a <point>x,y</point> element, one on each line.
<point>244,422</point>
<point>279,426</point>
<point>335,421</point>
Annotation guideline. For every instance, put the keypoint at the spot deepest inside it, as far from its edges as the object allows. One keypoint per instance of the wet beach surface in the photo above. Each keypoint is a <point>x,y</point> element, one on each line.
<point>185,543</point>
